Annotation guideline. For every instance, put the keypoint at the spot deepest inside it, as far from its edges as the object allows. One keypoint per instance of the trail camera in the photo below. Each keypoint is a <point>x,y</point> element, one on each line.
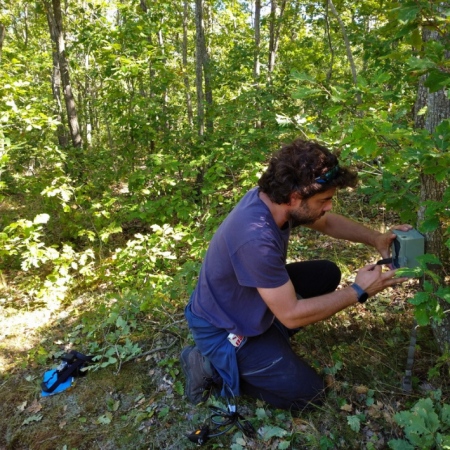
<point>406,247</point>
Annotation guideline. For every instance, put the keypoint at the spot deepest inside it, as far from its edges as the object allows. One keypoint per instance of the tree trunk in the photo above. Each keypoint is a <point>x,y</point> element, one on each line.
<point>185,64</point>
<point>200,47</point>
<point>74,128</point>
<point>56,82</point>
<point>151,70</point>
<point>256,64</point>
<point>438,109</point>
<point>327,27</point>
<point>2,38</point>
<point>273,17</point>
<point>274,31</point>
<point>348,48</point>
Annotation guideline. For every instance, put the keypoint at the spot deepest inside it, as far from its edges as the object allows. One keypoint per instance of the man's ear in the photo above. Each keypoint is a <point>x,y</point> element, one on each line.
<point>294,197</point>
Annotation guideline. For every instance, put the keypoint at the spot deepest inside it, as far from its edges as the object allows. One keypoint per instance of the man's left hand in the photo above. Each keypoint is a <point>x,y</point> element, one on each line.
<point>383,241</point>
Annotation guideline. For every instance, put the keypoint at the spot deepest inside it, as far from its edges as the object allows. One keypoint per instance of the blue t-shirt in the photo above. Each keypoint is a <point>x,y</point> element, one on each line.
<point>247,252</point>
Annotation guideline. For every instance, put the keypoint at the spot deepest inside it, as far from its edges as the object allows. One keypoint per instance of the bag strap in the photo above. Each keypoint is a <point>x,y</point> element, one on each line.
<point>407,381</point>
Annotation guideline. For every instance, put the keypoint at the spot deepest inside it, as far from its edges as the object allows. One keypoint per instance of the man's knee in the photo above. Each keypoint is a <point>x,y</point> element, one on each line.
<point>333,275</point>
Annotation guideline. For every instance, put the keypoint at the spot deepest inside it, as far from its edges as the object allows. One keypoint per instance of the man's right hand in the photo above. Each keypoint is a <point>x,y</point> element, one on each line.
<point>373,280</point>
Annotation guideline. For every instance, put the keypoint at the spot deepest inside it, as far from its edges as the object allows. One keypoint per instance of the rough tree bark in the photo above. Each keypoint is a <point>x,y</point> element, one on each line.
<point>72,116</point>
<point>438,109</point>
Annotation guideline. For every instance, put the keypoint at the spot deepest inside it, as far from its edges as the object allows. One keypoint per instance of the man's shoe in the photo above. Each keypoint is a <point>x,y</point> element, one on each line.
<point>198,372</point>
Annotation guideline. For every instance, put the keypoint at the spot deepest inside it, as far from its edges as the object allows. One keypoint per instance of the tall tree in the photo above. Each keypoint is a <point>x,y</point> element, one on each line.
<point>56,81</point>
<point>431,190</point>
<point>58,32</point>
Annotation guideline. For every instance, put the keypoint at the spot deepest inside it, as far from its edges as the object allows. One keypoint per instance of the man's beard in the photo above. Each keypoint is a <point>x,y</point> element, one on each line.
<point>303,215</point>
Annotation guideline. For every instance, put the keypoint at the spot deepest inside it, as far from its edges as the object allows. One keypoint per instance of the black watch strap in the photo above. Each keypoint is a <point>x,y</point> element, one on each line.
<point>362,294</point>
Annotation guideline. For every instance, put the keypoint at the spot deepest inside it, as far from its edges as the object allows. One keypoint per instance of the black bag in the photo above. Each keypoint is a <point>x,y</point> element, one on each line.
<point>71,365</point>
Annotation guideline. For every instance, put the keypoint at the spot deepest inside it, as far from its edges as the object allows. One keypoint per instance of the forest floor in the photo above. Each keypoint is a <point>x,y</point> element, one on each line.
<point>363,349</point>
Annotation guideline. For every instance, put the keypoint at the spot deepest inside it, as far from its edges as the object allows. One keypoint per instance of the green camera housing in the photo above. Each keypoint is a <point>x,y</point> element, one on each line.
<point>406,247</point>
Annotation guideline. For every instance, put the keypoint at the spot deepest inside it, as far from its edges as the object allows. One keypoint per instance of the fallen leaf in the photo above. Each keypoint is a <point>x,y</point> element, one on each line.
<point>361,389</point>
<point>105,419</point>
<point>30,419</point>
<point>34,407</point>
<point>62,424</point>
<point>21,407</point>
<point>374,412</point>
<point>65,408</point>
<point>347,407</point>
<point>300,424</point>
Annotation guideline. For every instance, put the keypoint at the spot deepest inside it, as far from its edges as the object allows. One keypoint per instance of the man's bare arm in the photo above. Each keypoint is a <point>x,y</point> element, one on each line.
<point>293,313</point>
<point>340,227</point>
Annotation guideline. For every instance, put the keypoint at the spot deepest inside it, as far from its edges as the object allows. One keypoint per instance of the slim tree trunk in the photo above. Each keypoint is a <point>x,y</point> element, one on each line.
<point>348,48</point>
<point>56,82</point>
<point>207,76</point>
<point>2,38</point>
<point>273,17</point>
<point>72,116</point>
<point>256,63</point>
<point>274,31</point>
<point>199,57</point>
<point>185,64</point>
<point>151,70</point>
<point>330,44</point>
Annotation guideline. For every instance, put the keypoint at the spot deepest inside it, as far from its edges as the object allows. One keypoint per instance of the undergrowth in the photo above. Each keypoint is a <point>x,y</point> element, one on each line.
<point>133,397</point>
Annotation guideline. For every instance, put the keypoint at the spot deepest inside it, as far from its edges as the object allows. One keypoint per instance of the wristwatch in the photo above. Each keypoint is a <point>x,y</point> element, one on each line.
<point>362,294</point>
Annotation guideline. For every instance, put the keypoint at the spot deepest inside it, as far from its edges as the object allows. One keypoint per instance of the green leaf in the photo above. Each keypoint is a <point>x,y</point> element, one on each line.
<point>445,414</point>
<point>163,412</point>
<point>437,80</point>
<point>179,388</point>
<point>283,445</point>
<point>269,432</point>
<point>419,298</point>
<point>444,293</point>
<point>427,258</point>
<point>422,315</point>
<point>400,444</point>
<point>261,413</point>
<point>304,92</point>
<point>303,76</point>
<point>354,422</point>
<point>429,225</point>
<point>420,64</point>
<point>408,12</point>
<point>413,272</point>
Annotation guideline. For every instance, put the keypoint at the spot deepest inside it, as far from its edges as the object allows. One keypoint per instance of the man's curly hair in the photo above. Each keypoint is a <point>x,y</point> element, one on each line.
<point>295,167</point>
